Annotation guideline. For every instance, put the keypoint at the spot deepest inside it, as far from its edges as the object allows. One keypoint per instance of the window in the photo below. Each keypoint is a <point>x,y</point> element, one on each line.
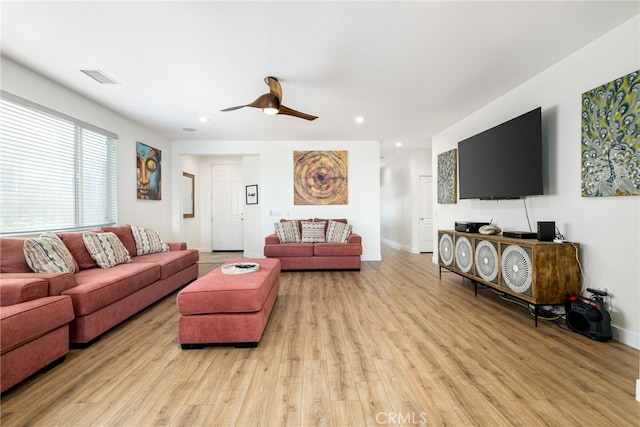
<point>56,172</point>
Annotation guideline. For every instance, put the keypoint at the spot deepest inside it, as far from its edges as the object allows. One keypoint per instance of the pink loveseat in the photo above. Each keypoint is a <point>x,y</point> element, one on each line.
<point>320,255</point>
<point>100,298</point>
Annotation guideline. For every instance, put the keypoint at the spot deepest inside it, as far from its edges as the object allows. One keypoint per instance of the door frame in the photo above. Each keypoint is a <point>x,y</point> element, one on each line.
<point>421,248</point>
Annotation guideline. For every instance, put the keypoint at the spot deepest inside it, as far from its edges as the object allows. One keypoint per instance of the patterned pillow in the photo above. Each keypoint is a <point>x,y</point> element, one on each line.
<point>125,235</point>
<point>312,232</point>
<point>48,254</point>
<point>338,231</point>
<point>288,231</point>
<point>148,241</point>
<point>106,249</point>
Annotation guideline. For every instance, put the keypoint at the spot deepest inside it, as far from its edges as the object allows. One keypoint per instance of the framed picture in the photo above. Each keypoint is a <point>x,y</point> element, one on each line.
<point>188,195</point>
<point>610,154</point>
<point>252,194</point>
<point>447,174</point>
<point>148,161</point>
<point>320,178</point>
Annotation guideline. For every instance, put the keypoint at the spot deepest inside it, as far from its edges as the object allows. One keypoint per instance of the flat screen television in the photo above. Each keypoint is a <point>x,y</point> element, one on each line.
<point>504,162</point>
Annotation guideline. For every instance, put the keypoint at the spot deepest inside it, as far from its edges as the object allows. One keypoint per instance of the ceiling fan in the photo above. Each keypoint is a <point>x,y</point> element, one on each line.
<point>271,103</point>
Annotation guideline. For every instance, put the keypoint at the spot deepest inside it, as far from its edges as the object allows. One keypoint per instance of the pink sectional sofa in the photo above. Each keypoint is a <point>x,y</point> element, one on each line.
<point>100,298</point>
<point>316,253</point>
<point>35,329</point>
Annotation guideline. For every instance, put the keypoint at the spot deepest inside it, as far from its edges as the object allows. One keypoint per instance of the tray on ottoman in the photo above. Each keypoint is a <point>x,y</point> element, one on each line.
<point>221,308</point>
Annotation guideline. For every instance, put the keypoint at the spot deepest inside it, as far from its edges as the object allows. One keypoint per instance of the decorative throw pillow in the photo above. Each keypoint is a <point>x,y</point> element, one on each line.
<point>125,235</point>
<point>106,249</point>
<point>338,231</point>
<point>48,254</point>
<point>148,241</point>
<point>74,242</point>
<point>312,232</point>
<point>288,231</point>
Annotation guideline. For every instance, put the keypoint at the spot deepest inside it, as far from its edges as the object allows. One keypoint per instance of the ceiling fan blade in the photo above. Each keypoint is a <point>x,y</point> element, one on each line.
<point>271,103</point>
<point>268,100</point>
<point>289,112</point>
<point>274,86</point>
<point>235,108</point>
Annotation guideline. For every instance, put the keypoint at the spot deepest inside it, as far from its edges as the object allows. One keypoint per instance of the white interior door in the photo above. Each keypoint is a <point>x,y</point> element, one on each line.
<point>426,213</point>
<point>227,207</point>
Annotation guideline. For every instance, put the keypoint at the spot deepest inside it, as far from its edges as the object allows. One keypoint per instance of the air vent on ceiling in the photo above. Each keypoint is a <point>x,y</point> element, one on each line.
<point>100,77</point>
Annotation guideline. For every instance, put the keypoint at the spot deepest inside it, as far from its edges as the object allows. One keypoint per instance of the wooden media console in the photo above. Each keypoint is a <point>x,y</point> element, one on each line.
<point>540,273</point>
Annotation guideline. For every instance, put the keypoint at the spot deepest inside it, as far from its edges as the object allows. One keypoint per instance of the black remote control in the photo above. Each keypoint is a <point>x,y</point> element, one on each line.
<point>245,265</point>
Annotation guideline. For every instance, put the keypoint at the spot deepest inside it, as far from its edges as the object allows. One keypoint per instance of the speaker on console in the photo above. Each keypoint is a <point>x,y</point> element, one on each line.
<point>546,231</point>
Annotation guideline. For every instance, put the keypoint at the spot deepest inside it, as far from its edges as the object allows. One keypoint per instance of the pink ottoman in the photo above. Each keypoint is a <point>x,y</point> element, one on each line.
<point>221,308</point>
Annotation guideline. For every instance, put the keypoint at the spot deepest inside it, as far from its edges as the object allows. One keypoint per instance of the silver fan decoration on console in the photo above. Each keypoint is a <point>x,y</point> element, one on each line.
<point>464,260</point>
<point>516,269</point>
<point>486,261</point>
<point>445,249</point>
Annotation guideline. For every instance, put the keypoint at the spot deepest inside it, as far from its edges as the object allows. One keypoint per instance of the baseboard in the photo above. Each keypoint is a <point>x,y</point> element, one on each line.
<point>396,245</point>
<point>632,339</point>
<point>248,254</point>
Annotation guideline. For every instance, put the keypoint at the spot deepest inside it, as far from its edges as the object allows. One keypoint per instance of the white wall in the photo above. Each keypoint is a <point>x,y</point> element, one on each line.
<point>395,191</point>
<point>274,161</point>
<point>607,229</point>
<point>154,214</point>
<point>251,173</point>
<point>399,210</point>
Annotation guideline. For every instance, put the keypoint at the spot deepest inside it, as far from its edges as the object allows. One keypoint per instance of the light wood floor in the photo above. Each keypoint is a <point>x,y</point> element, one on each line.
<point>390,345</point>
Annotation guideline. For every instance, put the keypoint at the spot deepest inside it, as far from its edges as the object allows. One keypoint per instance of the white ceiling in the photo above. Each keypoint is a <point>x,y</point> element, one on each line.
<point>411,68</point>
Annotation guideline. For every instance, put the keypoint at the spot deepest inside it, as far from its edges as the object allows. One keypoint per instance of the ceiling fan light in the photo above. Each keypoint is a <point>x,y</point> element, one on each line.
<point>271,111</point>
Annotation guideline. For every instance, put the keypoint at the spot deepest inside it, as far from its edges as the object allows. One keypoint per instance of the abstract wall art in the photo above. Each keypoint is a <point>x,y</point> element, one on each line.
<point>320,178</point>
<point>447,177</point>
<point>611,138</point>
<point>148,161</point>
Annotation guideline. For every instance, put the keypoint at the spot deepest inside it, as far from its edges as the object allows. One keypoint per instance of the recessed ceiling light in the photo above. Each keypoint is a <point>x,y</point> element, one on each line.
<point>203,119</point>
<point>359,119</point>
<point>188,129</point>
<point>398,144</point>
<point>100,77</point>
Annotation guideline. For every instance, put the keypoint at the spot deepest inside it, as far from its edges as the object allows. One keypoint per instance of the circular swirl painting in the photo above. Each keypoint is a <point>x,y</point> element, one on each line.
<point>320,178</point>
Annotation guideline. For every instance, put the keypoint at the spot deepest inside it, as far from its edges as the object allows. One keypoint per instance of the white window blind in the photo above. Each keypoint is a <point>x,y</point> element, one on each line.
<point>56,172</point>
